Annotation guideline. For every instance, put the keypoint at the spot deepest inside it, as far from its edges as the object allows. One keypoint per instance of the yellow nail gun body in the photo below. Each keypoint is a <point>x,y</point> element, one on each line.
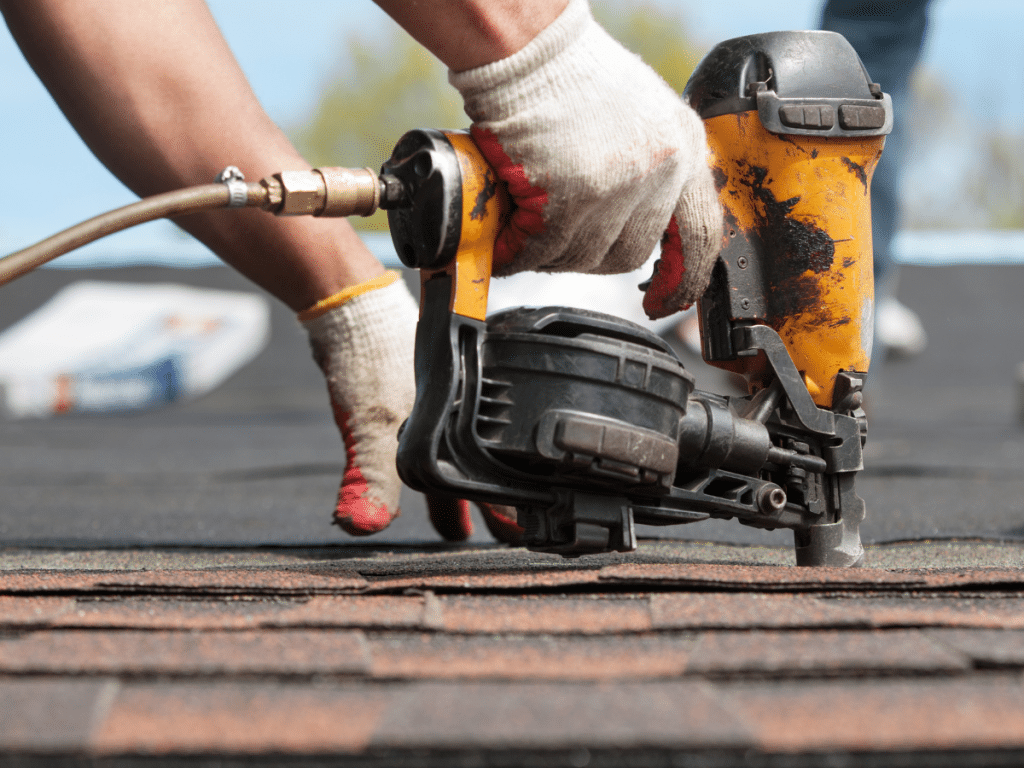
<point>794,174</point>
<point>587,423</point>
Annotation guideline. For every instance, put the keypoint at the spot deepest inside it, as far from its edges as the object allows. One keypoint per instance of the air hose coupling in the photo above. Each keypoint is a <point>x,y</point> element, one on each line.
<point>323,192</point>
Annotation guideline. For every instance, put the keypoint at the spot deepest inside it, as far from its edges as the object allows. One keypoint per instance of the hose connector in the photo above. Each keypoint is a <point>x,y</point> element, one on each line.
<point>323,192</point>
<point>238,190</point>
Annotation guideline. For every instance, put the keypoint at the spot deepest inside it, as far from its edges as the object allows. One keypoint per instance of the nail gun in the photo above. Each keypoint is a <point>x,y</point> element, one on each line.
<point>589,424</point>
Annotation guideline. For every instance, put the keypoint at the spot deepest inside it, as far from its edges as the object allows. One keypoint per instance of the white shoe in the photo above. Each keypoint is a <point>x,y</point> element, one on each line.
<point>898,330</point>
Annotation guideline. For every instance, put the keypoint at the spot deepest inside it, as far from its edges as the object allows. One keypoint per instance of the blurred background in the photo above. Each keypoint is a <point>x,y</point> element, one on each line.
<point>257,461</point>
<point>345,82</point>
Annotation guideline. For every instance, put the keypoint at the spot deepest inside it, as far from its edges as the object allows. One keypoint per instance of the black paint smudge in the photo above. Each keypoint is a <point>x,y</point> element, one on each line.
<point>484,197</point>
<point>858,171</point>
<point>720,176</point>
<point>791,248</point>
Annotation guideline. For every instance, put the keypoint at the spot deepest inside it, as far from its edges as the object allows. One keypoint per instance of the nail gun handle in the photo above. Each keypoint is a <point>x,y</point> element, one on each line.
<point>485,205</point>
<point>451,210</point>
<point>455,207</point>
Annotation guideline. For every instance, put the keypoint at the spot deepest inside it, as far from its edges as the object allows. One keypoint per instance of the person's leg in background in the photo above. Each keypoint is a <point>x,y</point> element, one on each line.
<point>888,35</point>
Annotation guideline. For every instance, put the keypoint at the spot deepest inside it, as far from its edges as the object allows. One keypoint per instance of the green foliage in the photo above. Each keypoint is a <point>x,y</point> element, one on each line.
<point>981,166</point>
<point>384,88</point>
<point>388,87</point>
<point>660,37</point>
<point>391,84</point>
<point>998,184</point>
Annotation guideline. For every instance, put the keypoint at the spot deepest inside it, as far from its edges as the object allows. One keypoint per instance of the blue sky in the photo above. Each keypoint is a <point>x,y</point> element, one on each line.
<point>974,44</point>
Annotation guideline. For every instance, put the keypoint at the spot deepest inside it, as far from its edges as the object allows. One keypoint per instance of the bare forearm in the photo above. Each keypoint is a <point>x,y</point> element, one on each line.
<point>469,33</point>
<point>157,95</point>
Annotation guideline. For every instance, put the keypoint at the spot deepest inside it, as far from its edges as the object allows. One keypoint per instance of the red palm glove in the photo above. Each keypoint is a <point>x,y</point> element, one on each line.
<point>363,339</point>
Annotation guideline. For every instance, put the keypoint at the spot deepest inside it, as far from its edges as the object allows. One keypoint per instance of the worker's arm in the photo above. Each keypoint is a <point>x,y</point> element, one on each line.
<point>601,157</point>
<point>468,33</point>
<point>157,95</point>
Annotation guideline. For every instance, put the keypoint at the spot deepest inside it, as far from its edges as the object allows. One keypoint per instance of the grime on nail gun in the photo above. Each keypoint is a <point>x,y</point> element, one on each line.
<point>588,424</point>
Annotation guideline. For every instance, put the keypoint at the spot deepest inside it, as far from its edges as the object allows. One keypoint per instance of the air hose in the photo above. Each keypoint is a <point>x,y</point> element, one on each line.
<point>317,192</point>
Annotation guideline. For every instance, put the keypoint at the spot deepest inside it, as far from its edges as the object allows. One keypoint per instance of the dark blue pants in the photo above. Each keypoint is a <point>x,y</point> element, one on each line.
<point>888,35</point>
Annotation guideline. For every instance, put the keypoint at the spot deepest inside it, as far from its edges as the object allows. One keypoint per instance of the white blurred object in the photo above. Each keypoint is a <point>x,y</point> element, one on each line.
<point>688,331</point>
<point>611,294</point>
<point>898,329</point>
<point>113,347</point>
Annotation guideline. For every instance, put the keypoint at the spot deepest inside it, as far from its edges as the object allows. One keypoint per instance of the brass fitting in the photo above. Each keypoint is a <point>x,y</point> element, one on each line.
<point>350,191</point>
<point>323,192</point>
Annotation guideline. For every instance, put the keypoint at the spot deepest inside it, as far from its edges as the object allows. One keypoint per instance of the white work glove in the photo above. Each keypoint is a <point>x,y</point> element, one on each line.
<point>364,346</point>
<point>599,153</point>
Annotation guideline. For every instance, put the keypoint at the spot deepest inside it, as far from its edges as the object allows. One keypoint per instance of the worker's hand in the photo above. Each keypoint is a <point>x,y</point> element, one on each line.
<point>364,346</point>
<point>451,518</point>
<point>599,154</point>
<point>363,340</point>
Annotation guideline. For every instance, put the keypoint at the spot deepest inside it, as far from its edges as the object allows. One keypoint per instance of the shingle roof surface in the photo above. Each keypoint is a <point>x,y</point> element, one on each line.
<point>169,589</point>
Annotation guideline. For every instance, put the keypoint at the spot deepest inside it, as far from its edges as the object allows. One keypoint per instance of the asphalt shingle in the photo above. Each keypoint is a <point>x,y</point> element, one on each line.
<point>822,654</point>
<point>242,718</point>
<point>549,715</point>
<point>124,631</point>
<point>154,653</point>
<point>880,715</point>
<point>52,715</point>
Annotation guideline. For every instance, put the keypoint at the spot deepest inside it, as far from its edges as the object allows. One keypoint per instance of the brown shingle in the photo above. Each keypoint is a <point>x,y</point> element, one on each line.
<point>776,578</point>
<point>284,581</point>
<point>696,610</point>
<point>444,657</point>
<point>339,611</point>
<point>759,610</point>
<point>881,714</point>
<point>51,715</point>
<point>246,718</point>
<point>822,653</point>
<point>135,652</point>
<point>985,647</point>
<point>544,614</point>
<point>32,611</point>
<point>553,715</point>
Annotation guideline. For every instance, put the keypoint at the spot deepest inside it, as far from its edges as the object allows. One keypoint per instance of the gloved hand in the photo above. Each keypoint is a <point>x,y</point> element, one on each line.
<point>363,340</point>
<point>599,154</point>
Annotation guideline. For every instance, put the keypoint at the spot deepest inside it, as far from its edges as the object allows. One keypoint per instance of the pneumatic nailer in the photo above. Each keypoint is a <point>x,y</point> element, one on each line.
<point>587,423</point>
